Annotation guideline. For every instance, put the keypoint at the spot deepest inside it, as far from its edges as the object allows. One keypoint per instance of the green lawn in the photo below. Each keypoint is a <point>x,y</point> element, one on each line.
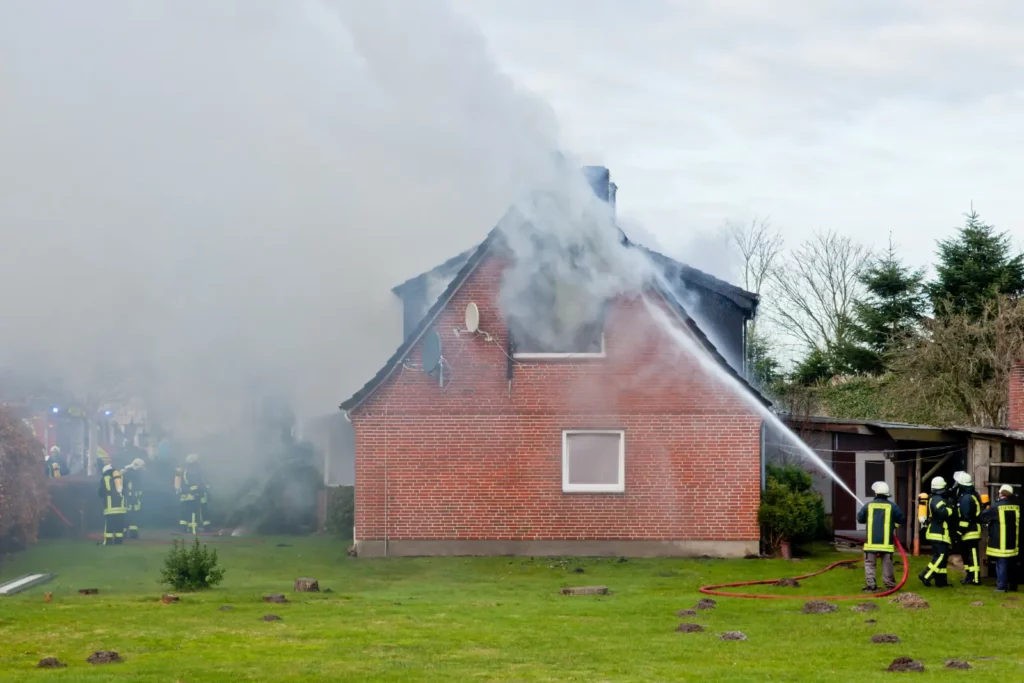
<point>473,619</point>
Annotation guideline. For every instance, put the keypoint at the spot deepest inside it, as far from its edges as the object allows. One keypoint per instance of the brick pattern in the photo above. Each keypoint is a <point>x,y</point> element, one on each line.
<point>1015,405</point>
<point>481,458</point>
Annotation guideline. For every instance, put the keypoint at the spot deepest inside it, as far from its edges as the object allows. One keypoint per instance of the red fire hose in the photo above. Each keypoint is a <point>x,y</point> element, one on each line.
<point>713,590</point>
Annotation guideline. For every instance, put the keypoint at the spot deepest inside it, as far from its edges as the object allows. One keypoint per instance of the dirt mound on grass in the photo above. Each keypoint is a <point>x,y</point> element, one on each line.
<point>865,607</point>
<point>905,664</point>
<point>910,601</point>
<point>686,613</point>
<point>957,664</point>
<point>733,635</point>
<point>871,621</point>
<point>885,638</point>
<point>787,583</point>
<point>1010,605</point>
<point>104,657</point>
<point>275,597</point>
<point>50,663</point>
<point>977,603</point>
<point>819,607</point>
<point>272,617</point>
<point>225,608</point>
<point>689,628</point>
<point>706,603</point>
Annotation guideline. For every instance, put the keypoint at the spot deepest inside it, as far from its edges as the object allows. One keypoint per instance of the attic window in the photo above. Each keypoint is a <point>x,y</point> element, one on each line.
<point>587,342</point>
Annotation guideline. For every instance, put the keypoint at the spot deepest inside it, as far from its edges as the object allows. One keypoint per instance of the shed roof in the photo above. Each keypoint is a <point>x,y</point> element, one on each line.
<point>896,427</point>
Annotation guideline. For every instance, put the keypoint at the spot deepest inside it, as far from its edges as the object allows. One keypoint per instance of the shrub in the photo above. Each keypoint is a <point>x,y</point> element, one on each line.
<point>190,569</point>
<point>23,493</point>
<point>790,510</point>
<point>341,510</point>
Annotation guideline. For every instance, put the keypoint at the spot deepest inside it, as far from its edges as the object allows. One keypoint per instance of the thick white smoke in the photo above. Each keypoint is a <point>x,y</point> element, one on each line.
<point>203,198</point>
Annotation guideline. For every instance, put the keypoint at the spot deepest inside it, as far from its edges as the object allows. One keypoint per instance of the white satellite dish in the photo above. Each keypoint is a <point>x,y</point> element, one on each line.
<point>472,317</point>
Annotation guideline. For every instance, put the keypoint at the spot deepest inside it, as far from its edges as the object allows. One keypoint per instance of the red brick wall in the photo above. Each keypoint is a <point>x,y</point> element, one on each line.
<point>480,460</point>
<point>1015,416</point>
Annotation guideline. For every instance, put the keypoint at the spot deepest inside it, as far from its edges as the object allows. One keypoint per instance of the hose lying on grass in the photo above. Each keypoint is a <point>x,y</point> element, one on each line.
<point>714,590</point>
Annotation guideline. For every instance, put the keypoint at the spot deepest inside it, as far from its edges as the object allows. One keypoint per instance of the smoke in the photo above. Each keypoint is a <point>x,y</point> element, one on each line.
<point>206,200</point>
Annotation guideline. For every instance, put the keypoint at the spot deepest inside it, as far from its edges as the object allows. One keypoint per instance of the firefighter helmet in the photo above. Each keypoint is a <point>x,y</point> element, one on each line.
<point>138,464</point>
<point>938,484</point>
<point>965,479</point>
<point>1006,488</point>
<point>880,488</point>
<point>192,458</point>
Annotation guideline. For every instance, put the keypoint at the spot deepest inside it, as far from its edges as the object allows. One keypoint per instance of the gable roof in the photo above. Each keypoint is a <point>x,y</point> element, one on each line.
<point>681,276</point>
<point>469,265</point>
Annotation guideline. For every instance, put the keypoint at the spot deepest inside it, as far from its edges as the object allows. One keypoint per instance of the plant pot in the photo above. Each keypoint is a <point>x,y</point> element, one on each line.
<point>786,550</point>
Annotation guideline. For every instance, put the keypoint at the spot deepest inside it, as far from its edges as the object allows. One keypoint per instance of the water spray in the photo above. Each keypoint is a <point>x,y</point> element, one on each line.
<point>685,342</point>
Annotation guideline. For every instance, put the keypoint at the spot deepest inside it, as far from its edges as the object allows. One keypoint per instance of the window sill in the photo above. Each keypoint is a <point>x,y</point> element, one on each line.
<point>599,489</point>
<point>556,356</point>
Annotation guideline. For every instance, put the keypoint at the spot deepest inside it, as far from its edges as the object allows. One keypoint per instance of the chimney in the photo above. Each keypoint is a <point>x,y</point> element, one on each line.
<point>599,178</point>
<point>1015,404</point>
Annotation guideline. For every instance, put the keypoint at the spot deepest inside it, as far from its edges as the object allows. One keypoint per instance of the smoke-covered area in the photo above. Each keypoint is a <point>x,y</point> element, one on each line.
<point>204,201</point>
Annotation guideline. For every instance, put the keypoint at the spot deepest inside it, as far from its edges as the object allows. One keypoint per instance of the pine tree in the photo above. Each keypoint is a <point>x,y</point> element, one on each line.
<point>892,307</point>
<point>974,268</point>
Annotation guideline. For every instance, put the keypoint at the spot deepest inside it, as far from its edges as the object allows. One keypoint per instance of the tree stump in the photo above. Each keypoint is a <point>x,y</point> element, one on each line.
<point>169,598</point>
<point>88,591</point>
<point>586,590</point>
<point>307,585</point>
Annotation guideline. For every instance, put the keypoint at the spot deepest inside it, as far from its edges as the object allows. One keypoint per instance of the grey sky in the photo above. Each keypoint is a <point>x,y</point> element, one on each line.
<point>868,117</point>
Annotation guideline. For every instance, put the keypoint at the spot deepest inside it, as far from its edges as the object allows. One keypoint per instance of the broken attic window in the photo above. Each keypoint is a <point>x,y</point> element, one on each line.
<point>587,340</point>
<point>555,319</point>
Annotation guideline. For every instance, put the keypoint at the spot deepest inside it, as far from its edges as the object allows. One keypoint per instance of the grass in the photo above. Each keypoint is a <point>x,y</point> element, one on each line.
<point>473,619</point>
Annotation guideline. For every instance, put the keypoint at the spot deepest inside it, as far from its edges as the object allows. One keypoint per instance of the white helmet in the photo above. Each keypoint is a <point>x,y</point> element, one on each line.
<point>938,484</point>
<point>138,464</point>
<point>880,488</point>
<point>54,450</point>
<point>192,458</point>
<point>1006,488</point>
<point>965,480</point>
<point>108,468</point>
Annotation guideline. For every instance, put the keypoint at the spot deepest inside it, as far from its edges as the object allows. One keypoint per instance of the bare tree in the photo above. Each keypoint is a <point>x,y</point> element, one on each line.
<point>759,246</point>
<point>815,289</point>
<point>961,364</point>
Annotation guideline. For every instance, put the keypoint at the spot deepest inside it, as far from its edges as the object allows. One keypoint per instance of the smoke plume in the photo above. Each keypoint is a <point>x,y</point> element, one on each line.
<point>203,199</point>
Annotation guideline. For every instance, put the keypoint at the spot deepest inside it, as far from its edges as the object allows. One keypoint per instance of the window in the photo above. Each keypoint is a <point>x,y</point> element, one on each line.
<point>1006,475</point>
<point>587,342</point>
<point>874,470</point>
<point>593,461</point>
<point>1006,452</point>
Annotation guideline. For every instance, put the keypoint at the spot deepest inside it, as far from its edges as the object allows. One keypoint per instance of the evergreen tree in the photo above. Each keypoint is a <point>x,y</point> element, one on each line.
<point>974,268</point>
<point>762,367</point>
<point>893,305</point>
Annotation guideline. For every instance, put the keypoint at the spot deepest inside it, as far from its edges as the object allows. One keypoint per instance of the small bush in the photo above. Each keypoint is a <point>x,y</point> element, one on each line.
<point>341,510</point>
<point>790,510</point>
<point>190,569</point>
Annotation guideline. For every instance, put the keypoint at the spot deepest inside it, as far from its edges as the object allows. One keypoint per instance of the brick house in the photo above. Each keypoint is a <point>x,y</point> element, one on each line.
<point>627,447</point>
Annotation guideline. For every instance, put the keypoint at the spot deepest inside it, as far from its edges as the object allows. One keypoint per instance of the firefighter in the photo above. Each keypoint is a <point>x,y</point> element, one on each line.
<point>112,495</point>
<point>881,516</point>
<point>937,533</point>
<point>133,495</point>
<point>969,527</point>
<point>184,502</point>
<point>195,488</point>
<point>53,463</point>
<point>1003,520</point>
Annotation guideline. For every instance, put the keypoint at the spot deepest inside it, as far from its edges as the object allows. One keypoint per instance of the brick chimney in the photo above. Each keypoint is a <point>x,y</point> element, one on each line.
<point>1015,404</point>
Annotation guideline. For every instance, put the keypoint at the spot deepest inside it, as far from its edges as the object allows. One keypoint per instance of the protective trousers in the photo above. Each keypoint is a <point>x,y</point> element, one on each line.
<point>194,520</point>
<point>113,528</point>
<point>888,571</point>
<point>184,514</point>
<point>972,562</point>
<point>204,514</point>
<point>937,567</point>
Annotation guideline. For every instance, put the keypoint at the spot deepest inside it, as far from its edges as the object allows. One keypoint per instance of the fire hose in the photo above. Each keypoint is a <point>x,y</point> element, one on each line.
<point>714,589</point>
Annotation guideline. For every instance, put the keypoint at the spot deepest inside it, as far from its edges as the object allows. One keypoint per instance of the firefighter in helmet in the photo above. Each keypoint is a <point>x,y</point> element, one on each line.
<point>881,516</point>
<point>53,463</point>
<point>114,510</point>
<point>937,533</point>
<point>194,490</point>
<point>133,495</point>
<point>1003,520</point>
<point>969,527</point>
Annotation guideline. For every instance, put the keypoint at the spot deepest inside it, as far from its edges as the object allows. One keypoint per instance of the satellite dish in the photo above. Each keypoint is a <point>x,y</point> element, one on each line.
<point>431,353</point>
<point>472,317</point>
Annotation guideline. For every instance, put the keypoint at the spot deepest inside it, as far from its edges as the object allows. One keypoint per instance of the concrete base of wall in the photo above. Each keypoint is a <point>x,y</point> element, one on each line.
<point>413,548</point>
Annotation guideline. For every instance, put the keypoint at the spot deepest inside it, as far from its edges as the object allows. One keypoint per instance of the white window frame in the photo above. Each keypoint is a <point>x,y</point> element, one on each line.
<point>620,487</point>
<point>559,355</point>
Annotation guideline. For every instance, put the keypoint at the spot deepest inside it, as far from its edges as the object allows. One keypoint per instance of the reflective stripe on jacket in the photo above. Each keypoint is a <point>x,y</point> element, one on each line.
<point>881,516</point>
<point>1003,520</point>
<point>938,515</point>
<point>970,510</point>
<point>113,500</point>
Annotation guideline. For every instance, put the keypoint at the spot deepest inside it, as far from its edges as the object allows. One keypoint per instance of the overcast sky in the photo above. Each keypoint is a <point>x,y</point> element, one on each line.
<point>868,117</point>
